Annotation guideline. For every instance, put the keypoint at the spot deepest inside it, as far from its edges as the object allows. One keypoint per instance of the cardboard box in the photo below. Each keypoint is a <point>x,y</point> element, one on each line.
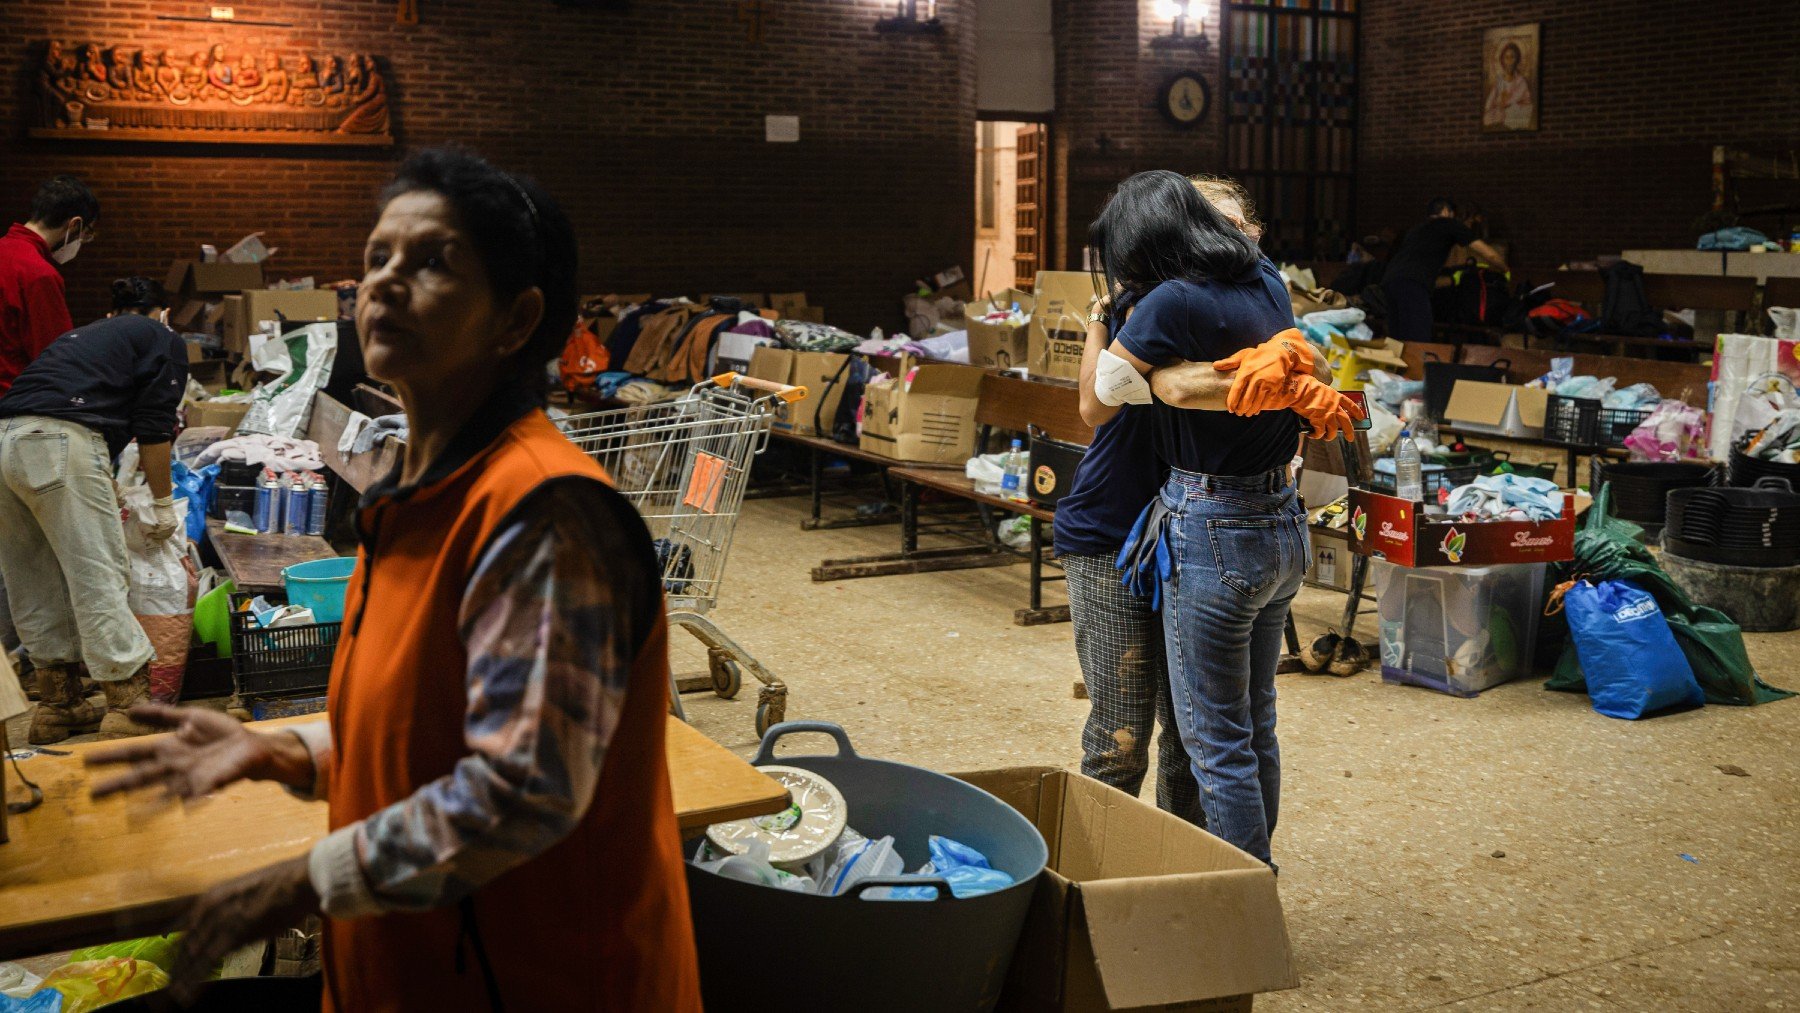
<point>1138,909</point>
<point>999,345</point>
<point>786,303</point>
<point>1390,528</point>
<point>1329,564</point>
<point>1058,332</point>
<point>188,279</point>
<point>209,413</point>
<point>812,370</point>
<point>931,422</point>
<point>213,374</point>
<point>1502,409</point>
<point>246,311</point>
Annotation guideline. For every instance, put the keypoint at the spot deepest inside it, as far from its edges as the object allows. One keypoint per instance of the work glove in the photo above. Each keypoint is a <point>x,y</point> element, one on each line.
<point>160,526</point>
<point>1263,371</point>
<point>1326,410</point>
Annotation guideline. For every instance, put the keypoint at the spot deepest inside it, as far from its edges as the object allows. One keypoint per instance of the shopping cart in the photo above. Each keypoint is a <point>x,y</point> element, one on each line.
<point>684,464</point>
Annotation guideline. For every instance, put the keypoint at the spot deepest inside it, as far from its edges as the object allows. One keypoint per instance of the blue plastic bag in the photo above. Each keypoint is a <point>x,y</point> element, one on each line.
<point>965,869</point>
<point>1628,656</point>
<point>44,1000</point>
<point>199,488</point>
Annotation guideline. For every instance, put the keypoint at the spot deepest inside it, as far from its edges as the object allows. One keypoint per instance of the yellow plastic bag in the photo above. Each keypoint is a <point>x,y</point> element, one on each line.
<point>158,950</point>
<point>90,984</point>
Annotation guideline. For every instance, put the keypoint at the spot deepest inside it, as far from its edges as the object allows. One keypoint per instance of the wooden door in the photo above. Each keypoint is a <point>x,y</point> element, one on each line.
<point>1031,218</point>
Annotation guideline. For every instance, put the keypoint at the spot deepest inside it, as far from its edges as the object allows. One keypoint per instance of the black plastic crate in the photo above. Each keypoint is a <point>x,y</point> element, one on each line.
<point>282,660</point>
<point>1583,421</point>
<point>1433,480</point>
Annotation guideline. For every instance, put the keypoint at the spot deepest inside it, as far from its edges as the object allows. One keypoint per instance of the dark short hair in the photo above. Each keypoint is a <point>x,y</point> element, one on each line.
<point>138,294</point>
<point>522,235</point>
<point>61,198</point>
<point>1157,227</point>
<point>1439,205</point>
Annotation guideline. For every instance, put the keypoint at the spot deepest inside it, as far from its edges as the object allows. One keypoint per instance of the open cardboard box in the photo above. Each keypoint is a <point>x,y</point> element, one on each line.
<point>1058,333</point>
<point>1390,528</point>
<point>245,312</point>
<point>1138,909</point>
<point>999,345</point>
<point>1502,409</point>
<point>189,279</point>
<point>930,422</point>
<point>812,370</point>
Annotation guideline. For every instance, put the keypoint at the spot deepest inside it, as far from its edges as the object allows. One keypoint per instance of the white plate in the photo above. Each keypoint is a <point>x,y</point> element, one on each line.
<point>810,825</point>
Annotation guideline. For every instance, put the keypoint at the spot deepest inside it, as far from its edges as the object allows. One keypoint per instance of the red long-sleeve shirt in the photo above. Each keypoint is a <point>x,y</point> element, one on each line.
<point>33,311</point>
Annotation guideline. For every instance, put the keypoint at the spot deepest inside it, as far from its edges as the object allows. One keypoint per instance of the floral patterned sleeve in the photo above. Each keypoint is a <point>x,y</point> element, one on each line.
<point>562,601</point>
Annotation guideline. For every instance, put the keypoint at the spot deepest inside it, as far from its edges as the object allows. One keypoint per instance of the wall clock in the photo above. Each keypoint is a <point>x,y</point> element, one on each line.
<point>1184,99</point>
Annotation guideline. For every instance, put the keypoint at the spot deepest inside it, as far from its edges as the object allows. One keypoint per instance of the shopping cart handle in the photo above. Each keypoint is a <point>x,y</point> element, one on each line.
<point>780,390</point>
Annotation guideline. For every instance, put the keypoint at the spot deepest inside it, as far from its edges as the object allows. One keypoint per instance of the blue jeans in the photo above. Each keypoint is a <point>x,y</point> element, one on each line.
<point>1240,551</point>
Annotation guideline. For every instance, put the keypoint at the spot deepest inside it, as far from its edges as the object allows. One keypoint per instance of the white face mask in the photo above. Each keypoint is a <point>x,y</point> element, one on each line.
<point>67,251</point>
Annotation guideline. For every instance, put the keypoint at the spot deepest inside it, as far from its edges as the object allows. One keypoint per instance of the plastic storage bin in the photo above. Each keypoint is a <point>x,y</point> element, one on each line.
<point>1584,422</point>
<point>767,949</point>
<point>1458,630</point>
<point>281,660</point>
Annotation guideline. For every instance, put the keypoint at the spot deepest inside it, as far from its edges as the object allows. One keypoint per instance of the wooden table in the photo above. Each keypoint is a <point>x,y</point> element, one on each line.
<point>255,562</point>
<point>79,872</point>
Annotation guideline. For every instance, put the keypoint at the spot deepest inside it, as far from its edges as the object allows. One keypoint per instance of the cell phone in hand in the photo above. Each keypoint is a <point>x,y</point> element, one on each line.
<point>1362,401</point>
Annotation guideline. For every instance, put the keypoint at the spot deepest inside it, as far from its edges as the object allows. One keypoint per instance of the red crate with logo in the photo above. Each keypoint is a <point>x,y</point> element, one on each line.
<point>1393,529</point>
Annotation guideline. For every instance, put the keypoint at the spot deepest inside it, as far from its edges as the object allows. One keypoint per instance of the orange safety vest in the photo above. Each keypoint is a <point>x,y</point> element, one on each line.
<point>600,920</point>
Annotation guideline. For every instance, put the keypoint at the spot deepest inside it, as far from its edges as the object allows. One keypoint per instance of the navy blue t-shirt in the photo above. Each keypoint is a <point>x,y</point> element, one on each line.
<point>1201,321</point>
<point>1120,474</point>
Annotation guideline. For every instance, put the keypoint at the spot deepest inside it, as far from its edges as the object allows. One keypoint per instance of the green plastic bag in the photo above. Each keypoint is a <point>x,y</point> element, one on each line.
<point>158,950</point>
<point>1607,548</point>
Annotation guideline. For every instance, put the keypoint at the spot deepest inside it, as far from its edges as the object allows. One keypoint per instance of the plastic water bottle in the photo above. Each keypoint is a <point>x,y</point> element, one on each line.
<point>1408,470</point>
<point>1012,474</point>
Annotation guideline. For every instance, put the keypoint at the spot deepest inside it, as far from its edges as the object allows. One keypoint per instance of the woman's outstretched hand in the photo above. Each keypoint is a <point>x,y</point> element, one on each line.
<point>1324,407</point>
<point>207,751</point>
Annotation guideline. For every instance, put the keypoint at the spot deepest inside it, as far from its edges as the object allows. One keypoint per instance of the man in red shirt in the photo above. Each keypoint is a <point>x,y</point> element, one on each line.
<point>33,310</point>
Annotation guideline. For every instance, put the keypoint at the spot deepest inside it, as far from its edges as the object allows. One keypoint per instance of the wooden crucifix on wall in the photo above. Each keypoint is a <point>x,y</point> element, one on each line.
<point>752,13</point>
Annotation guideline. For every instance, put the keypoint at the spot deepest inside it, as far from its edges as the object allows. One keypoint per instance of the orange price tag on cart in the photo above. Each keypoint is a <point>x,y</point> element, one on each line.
<point>706,484</point>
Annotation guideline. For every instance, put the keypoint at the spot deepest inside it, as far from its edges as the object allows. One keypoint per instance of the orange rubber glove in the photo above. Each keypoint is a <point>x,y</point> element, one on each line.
<point>1263,371</point>
<point>1325,408</point>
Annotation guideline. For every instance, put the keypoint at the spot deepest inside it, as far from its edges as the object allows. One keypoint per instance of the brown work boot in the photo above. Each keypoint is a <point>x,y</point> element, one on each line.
<point>61,711</point>
<point>121,696</point>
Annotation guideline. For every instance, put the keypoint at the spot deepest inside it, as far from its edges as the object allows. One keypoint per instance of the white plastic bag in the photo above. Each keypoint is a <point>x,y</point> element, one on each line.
<point>753,867</point>
<point>1787,322</point>
<point>986,471</point>
<point>857,861</point>
<point>281,408</point>
<point>1384,429</point>
<point>159,583</point>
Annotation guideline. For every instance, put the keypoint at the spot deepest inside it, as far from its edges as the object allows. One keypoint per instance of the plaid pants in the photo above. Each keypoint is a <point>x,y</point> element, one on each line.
<point>1119,642</point>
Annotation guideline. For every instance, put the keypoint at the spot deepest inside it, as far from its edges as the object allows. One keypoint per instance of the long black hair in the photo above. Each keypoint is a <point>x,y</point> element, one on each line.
<point>138,295</point>
<point>1157,228</point>
<point>522,235</point>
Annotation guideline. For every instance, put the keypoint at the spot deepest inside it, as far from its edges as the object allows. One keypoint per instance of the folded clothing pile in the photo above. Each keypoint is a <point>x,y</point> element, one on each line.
<point>278,452</point>
<point>1506,497</point>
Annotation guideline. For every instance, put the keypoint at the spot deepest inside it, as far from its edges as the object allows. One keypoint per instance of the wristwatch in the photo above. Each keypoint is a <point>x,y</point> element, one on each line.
<point>1097,317</point>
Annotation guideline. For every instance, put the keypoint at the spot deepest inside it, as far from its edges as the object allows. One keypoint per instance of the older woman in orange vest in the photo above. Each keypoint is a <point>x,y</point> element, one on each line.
<point>502,834</point>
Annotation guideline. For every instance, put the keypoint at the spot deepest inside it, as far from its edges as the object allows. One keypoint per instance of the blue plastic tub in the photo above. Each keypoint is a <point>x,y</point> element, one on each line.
<point>319,585</point>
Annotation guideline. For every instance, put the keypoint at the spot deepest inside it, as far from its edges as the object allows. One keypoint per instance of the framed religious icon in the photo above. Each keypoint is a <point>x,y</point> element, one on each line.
<point>1509,78</point>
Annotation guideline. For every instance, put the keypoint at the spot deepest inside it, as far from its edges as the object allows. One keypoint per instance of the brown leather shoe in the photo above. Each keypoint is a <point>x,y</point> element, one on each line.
<point>121,696</point>
<point>61,711</point>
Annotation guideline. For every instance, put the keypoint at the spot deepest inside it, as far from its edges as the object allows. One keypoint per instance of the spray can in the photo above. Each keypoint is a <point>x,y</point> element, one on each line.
<point>298,503</point>
<point>268,502</point>
<point>315,516</point>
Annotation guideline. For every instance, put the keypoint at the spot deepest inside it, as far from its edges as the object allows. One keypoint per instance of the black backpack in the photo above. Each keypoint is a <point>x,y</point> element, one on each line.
<point>1626,310</point>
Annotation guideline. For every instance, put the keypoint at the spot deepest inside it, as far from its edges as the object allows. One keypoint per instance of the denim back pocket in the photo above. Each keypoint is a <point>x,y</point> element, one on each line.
<point>1247,551</point>
<point>43,459</point>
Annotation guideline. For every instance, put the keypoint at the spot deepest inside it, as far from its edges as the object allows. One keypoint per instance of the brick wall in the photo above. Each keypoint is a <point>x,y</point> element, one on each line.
<point>647,124</point>
<point>1108,80</point>
<point>1633,96</point>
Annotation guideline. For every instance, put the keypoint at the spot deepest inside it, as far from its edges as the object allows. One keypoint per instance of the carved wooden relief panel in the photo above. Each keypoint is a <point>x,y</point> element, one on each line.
<point>217,93</point>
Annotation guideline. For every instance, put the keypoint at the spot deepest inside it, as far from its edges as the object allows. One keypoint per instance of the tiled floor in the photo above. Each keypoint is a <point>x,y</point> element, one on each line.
<point>1394,799</point>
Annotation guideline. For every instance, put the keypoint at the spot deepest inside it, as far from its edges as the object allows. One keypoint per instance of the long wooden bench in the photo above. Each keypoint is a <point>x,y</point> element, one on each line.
<point>1011,404</point>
